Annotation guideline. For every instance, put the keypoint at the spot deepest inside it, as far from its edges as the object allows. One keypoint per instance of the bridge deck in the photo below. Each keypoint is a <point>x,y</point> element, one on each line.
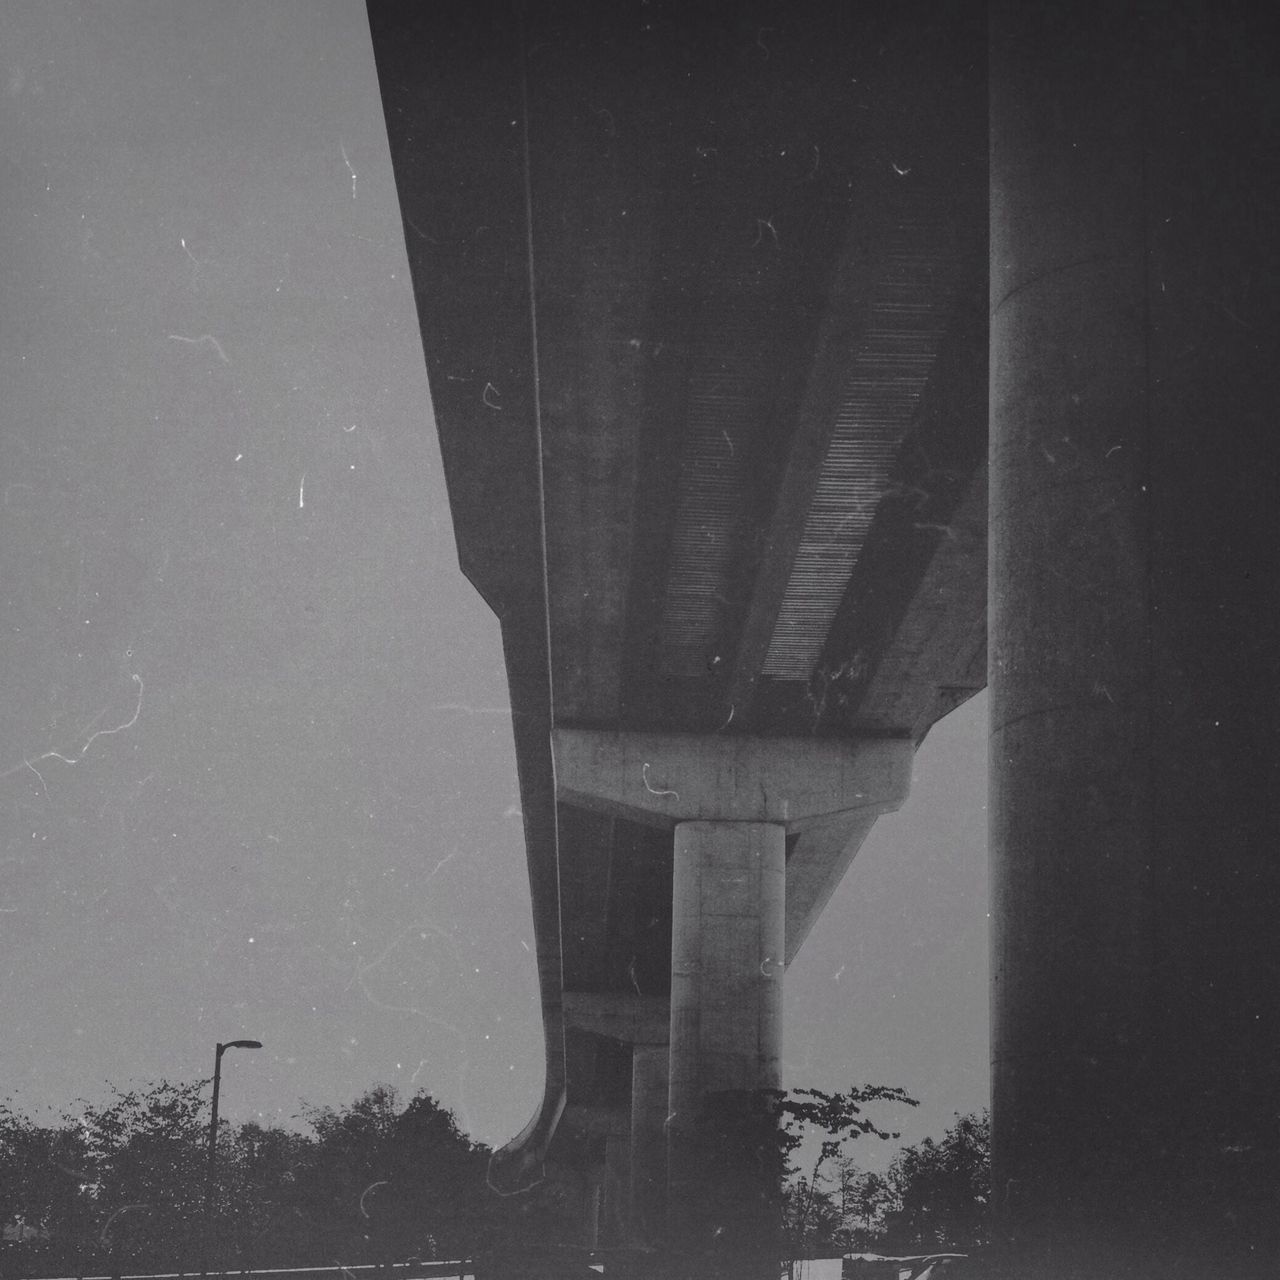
<point>703,300</point>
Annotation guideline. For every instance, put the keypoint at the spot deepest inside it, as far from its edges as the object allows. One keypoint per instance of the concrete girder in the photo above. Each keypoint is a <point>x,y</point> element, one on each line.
<point>664,779</point>
<point>817,864</point>
<point>632,1019</point>
<point>599,1121</point>
<point>730,802</point>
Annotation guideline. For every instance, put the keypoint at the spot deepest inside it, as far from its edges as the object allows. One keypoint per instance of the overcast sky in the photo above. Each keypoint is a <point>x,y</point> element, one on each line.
<point>256,776</point>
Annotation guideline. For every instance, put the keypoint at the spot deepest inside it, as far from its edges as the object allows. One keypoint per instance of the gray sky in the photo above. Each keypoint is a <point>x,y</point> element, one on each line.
<point>256,777</point>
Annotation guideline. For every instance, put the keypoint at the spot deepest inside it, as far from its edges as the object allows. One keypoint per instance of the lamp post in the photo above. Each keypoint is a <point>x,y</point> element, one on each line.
<point>213,1135</point>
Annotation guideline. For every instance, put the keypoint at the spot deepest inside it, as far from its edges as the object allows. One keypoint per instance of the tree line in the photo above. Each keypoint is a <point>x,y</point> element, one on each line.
<point>933,1197</point>
<point>123,1186</point>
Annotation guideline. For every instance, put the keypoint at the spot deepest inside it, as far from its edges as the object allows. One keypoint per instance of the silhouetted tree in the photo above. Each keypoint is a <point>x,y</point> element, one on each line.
<point>383,1182</point>
<point>743,1186</point>
<point>548,1214</point>
<point>121,1186</point>
<point>942,1190</point>
<point>260,1223</point>
<point>815,1220</point>
<point>43,1180</point>
<point>865,1198</point>
<point>145,1151</point>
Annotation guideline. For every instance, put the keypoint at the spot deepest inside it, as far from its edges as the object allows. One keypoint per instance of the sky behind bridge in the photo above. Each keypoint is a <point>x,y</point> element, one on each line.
<point>256,777</point>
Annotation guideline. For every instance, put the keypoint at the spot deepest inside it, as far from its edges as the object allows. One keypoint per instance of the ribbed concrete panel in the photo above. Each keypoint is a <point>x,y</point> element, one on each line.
<point>887,377</point>
<point>720,418</point>
<point>711,479</point>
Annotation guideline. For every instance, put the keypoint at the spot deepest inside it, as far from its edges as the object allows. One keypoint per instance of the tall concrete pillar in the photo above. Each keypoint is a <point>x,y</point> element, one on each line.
<point>591,1209</point>
<point>1133,641</point>
<point>615,1227</point>
<point>727,945</point>
<point>731,803</point>
<point>649,1080</point>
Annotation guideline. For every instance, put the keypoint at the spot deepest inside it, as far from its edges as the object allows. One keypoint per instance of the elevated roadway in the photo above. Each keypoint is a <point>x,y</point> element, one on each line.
<point>703,299</point>
<point>713,299</point>
<point>708,371</point>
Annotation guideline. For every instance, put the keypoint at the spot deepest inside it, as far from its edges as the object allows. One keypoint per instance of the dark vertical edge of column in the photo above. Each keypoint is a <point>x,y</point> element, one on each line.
<point>1133,639</point>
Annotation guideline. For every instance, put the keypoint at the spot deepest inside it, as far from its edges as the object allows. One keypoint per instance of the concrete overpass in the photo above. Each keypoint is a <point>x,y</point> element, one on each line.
<point>704,301</point>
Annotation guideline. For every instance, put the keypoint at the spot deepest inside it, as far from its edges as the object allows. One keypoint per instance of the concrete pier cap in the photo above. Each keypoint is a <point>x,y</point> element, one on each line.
<point>664,779</point>
<point>740,908</point>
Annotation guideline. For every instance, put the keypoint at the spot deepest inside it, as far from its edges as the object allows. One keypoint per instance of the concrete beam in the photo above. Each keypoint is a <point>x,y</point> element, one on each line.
<point>663,779</point>
<point>849,293</point>
<point>620,1016</point>
<point>585,1117</point>
<point>816,866</point>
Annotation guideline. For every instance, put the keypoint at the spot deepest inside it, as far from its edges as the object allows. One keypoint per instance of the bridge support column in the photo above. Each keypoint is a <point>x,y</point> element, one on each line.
<point>731,802</point>
<point>649,1085</point>
<point>1136,887</point>
<point>615,1226</point>
<point>727,946</point>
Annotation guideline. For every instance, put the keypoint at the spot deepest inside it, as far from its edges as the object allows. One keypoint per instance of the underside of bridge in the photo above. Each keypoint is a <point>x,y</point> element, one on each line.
<point>703,296</point>
<point>703,290</point>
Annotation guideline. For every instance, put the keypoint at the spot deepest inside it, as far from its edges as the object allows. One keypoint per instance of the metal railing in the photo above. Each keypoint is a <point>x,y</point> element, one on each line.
<point>457,1269</point>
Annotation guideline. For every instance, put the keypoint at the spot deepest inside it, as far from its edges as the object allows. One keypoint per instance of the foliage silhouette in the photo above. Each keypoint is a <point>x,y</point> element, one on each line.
<point>730,1194</point>
<point>120,1186</point>
<point>942,1190</point>
<point>934,1197</point>
<point>812,1218</point>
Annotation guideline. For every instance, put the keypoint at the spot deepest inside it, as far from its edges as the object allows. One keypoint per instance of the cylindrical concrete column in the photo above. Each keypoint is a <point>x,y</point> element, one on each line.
<point>616,1212</point>
<point>727,942</point>
<point>1136,888</point>
<point>649,1080</point>
<point>595,1193</point>
<point>727,945</point>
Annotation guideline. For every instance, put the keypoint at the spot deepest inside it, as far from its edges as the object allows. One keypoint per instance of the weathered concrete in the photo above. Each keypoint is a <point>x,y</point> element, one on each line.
<point>726,960</point>
<point>668,778</point>
<point>597,1120</point>
<point>687,364</point>
<point>630,1018</point>
<point>615,1225</point>
<point>649,1097</point>
<point>726,1008</point>
<point>821,856</point>
<point>731,802</point>
<point>636,1144</point>
<point>1136,889</point>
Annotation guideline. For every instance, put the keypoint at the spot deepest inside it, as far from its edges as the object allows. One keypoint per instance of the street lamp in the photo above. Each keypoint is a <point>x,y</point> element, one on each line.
<point>213,1131</point>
